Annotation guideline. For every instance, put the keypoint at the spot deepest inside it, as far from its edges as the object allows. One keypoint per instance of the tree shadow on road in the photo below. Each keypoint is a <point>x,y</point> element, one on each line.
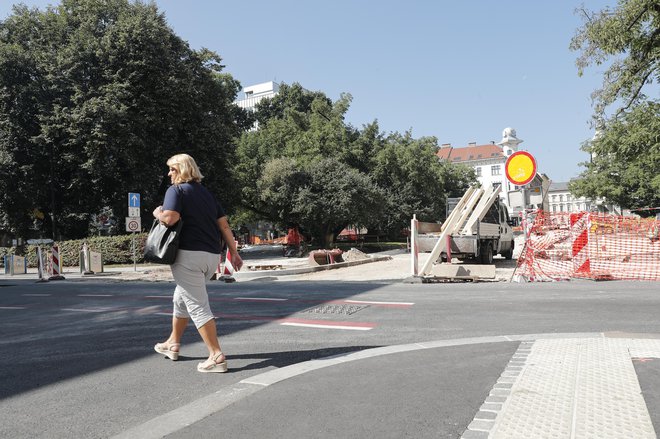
<point>66,333</point>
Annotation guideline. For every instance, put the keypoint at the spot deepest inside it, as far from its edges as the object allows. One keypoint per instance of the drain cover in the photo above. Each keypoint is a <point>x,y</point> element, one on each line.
<point>336,309</point>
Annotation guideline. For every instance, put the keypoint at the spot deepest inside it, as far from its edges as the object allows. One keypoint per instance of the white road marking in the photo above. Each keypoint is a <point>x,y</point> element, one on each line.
<point>318,325</point>
<point>369,302</point>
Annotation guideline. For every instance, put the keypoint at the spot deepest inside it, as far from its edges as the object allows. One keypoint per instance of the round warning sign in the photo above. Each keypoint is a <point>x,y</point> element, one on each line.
<point>520,168</point>
<point>133,224</point>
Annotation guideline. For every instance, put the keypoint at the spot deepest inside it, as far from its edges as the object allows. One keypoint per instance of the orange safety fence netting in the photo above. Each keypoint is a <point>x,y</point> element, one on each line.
<point>563,245</point>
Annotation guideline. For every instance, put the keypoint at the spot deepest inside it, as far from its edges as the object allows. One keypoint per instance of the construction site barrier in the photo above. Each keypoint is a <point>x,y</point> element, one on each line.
<point>55,269</point>
<point>414,246</point>
<point>15,264</point>
<point>225,269</point>
<point>91,262</point>
<point>587,245</point>
<point>42,265</point>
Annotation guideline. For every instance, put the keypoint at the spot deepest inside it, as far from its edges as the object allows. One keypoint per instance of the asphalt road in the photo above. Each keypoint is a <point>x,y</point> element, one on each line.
<point>77,356</point>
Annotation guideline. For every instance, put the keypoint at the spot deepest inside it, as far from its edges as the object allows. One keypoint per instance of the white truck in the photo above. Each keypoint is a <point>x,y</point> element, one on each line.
<point>477,228</point>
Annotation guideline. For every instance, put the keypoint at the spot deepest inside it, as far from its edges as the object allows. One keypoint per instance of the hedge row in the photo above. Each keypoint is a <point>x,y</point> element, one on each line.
<point>113,249</point>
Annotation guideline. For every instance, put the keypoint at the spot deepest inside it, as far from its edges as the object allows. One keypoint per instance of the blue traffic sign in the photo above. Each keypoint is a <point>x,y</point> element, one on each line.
<point>133,199</point>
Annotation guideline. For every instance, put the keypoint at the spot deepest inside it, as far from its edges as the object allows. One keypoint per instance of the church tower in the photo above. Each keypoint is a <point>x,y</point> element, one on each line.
<point>509,142</point>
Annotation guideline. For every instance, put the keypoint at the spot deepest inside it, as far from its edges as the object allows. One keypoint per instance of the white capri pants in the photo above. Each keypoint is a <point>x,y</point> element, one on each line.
<point>191,270</point>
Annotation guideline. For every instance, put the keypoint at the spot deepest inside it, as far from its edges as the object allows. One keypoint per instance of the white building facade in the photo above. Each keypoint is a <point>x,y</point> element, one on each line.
<point>561,200</point>
<point>255,93</point>
<point>488,162</point>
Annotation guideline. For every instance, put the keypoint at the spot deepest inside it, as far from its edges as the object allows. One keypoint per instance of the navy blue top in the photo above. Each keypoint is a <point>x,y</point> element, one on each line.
<point>200,212</point>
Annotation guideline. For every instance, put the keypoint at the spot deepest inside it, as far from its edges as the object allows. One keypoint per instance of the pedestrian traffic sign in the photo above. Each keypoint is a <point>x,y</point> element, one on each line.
<point>133,199</point>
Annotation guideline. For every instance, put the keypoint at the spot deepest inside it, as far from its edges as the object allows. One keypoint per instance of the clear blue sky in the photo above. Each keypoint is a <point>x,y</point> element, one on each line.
<point>461,71</point>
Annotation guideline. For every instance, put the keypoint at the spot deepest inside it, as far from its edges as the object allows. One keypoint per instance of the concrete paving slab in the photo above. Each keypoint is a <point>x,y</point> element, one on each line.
<point>574,388</point>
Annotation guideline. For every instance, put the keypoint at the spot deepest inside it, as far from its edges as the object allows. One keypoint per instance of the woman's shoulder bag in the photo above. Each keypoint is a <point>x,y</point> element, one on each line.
<point>163,242</point>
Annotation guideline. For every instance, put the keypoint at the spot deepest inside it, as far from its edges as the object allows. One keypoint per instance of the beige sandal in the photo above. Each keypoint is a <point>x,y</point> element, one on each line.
<point>213,365</point>
<point>166,349</point>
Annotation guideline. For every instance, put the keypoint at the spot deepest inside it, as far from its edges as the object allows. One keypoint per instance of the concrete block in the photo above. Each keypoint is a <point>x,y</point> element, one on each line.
<point>464,270</point>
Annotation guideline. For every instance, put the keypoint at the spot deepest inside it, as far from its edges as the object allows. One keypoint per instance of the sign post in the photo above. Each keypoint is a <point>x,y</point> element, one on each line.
<point>520,169</point>
<point>133,221</point>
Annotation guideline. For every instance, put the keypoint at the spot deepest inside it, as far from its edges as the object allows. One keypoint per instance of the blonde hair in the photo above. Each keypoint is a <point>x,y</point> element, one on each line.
<point>187,169</point>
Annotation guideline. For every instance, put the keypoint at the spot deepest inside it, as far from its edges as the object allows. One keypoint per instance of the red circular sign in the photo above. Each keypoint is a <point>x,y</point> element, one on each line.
<point>520,168</point>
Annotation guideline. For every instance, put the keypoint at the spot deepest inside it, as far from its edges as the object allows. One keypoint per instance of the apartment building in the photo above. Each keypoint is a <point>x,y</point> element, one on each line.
<point>561,200</point>
<point>255,93</point>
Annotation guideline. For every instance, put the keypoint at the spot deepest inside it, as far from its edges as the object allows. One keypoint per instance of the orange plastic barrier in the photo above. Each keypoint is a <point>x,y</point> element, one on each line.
<point>596,246</point>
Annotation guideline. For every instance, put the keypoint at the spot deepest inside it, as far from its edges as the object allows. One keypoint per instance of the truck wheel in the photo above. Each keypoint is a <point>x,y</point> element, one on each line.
<point>509,253</point>
<point>487,254</point>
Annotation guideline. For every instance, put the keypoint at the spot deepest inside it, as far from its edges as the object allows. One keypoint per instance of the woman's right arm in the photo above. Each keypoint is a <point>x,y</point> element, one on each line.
<point>167,217</point>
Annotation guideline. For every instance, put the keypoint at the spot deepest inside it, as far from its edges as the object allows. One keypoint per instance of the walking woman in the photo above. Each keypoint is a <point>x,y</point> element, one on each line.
<point>204,221</point>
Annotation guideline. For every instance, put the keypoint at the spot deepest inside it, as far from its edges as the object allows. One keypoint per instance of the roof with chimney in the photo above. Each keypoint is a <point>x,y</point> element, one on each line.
<point>470,153</point>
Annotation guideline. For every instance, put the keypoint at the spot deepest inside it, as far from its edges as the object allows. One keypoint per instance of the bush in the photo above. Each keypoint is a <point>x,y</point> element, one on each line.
<point>113,249</point>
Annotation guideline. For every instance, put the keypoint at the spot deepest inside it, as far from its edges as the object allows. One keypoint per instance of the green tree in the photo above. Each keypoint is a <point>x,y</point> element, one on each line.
<point>415,181</point>
<point>313,169</point>
<point>94,97</point>
<point>291,98</point>
<point>627,39</point>
<point>322,196</point>
<point>298,131</point>
<point>333,197</point>
<point>625,155</point>
<point>625,161</point>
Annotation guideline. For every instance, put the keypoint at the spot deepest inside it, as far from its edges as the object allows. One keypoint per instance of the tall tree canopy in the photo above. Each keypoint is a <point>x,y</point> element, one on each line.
<point>94,97</point>
<point>626,150</point>
<point>627,39</point>
<point>305,165</point>
<point>625,168</point>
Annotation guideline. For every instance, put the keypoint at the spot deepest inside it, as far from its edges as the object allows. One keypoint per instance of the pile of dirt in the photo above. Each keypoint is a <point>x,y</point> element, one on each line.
<point>354,255</point>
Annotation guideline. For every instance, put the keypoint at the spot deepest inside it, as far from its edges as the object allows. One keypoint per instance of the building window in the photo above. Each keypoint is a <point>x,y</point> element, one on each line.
<point>561,207</point>
<point>561,198</point>
<point>478,171</point>
<point>554,207</point>
<point>495,170</point>
<point>554,198</point>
